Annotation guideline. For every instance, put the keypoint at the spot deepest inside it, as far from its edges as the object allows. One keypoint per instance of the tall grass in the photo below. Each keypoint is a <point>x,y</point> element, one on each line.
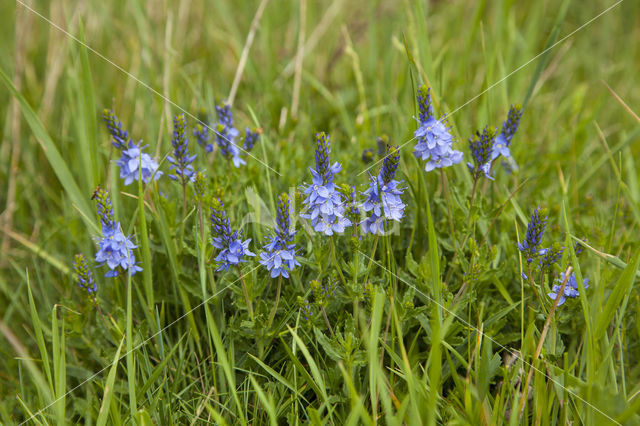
<point>433,323</point>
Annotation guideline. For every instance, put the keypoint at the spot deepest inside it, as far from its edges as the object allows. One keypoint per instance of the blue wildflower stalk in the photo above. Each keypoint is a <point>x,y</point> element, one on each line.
<point>535,231</point>
<point>114,126</point>
<point>529,246</point>
<point>550,256</point>
<point>181,160</point>
<point>509,128</point>
<point>324,204</point>
<point>226,135</point>
<point>383,197</point>
<point>435,142</point>
<point>83,276</point>
<point>232,248</point>
<point>279,255</point>
<point>133,162</point>
<point>201,131</point>
<point>181,166</point>
<point>480,145</point>
<point>250,138</point>
<point>114,248</point>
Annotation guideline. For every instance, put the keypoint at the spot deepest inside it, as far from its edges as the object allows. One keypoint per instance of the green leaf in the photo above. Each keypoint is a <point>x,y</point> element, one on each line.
<point>622,287</point>
<point>58,164</point>
<point>108,389</point>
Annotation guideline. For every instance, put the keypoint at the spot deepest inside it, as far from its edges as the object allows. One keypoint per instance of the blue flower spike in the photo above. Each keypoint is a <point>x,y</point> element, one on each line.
<point>114,248</point>
<point>201,132</point>
<point>535,231</point>
<point>383,197</point>
<point>226,135</point>
<point>181,166</point>
<point>509,128</point>
<point>481,146</point>
<point>279,254</point>
<point>324,205</point>
<point>233,248</point>
<point>83,275</point>
<point>133,161</point>
<point>435,142</point>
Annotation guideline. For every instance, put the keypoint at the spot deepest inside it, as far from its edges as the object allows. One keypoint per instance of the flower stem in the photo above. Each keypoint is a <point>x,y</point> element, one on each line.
<point>326,319</point>
<point>246,294</point>
<point>373,253</point>
<point>335,262</point>
<point>275,306</point>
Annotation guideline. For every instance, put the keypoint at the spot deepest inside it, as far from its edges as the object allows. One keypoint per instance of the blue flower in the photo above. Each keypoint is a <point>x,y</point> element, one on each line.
<point>570,289</point>
<point>114,126</point>
<point>278,255</point>
<point>132,153</point>
<point>132,158</point>
<point>550,255</point>
<point>535,231</point>
<point>233,249</point>
<point>481,148</point>
<point>226,135</point>
<point>509,128</point>
<point>307,310</point>
<point>83,274</point>
<point>324,204</point>
<point>383,196</point>
<point>435,142</point>
<point>250,138</point>
<point>114,247</point>
<point>181,160</point>
<point>201,132</point>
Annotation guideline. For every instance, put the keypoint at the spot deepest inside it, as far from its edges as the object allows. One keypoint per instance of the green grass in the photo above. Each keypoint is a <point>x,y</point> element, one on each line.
<point>445,329</point>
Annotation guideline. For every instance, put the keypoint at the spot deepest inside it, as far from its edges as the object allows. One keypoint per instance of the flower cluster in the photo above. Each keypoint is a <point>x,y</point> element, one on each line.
<point>322,293</point>
<point>201,132</point>
<point>83,274</point>
<point>509,128</point>
<point>535,230</point>
<point>481,146</point>
<point>435,143</point>
<point>306,310</point>
<point>181,160</point>
<point>226,135</point>
<point>279,255</point>
<point>233,249</point>
<point>324,204</point>
<point>115,249</point>
<point>367,156</point>
<point>383,195</point>
<point>133,161</point>
<point>550,255</point>
<point>570,289</point>
<point>250,138</point>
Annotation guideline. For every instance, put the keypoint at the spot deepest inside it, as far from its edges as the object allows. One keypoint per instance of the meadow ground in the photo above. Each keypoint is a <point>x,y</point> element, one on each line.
<point>477,305</point>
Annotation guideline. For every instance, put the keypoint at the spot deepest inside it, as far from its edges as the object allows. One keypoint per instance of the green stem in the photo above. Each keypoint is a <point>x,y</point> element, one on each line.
<point>131,375</point>
<point>246,294</point>
<point>275,306</point>
<point>335,262</point>
<point>373,253</point>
